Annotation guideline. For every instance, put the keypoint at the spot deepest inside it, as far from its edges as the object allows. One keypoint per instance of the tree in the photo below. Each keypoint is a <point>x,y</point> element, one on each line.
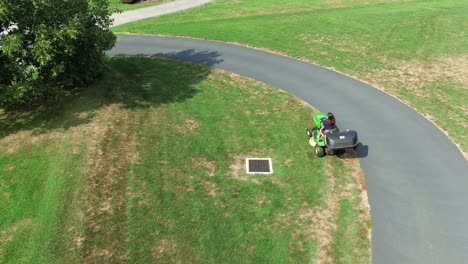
<point>48,47</point>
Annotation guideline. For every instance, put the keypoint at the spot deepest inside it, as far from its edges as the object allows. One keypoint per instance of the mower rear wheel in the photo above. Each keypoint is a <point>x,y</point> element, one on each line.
<point>319,151</point>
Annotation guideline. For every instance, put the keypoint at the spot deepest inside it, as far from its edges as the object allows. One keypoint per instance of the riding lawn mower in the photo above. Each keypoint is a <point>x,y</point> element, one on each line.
<point>332,141</point>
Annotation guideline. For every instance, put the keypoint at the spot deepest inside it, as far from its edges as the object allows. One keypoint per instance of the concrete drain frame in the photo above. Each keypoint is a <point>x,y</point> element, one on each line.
<point>258,166</point>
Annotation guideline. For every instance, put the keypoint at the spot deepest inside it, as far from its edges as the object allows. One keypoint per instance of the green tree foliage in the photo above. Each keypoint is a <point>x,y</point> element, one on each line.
<point>48,47</point>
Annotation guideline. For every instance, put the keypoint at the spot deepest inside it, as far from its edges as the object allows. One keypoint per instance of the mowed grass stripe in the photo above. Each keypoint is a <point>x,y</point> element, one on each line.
<point>415,50</point>
<point>147,165</point>
<point>36,204</point>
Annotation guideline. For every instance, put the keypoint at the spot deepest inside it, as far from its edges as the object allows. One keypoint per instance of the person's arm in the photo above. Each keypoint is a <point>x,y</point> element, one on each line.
<point>321,129</point>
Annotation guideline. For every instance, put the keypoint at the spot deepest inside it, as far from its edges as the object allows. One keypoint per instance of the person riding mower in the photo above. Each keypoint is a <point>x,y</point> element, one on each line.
<point>327,138</point>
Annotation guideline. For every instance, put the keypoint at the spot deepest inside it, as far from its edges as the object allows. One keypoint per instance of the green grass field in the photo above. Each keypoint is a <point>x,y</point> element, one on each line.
<point>147,166</point>
<point>117,4</point>
<point>416,50</point>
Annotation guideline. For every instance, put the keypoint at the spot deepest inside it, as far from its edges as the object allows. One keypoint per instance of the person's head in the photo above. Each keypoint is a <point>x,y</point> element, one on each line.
<point>331,119</point>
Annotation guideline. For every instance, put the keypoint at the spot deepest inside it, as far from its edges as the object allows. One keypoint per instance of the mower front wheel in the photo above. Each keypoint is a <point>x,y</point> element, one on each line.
<point>319,151</point>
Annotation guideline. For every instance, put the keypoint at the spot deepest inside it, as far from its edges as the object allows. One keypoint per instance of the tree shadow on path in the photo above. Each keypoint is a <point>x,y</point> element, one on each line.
<point>207,58</point>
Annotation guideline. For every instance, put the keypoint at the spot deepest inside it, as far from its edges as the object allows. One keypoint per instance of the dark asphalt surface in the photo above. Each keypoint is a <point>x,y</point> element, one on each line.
<point>417,179</point>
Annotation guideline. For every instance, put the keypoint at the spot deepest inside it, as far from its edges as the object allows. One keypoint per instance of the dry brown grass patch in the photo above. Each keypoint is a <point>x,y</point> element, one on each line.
<point>237,169</point>
<point>109,151</point>
<point>320,222</point>
<point>263,200</point>
<point>9,167</point>
<point>344,3</point>
<point>162,248</point>
<point>211,188</point>
<point>324,219</point>
<point>178,173</point>
<point>78,241</point>
<point>288,161</point>
<point>14,141</point>
<point>415,74</point>
<point>210,166</point>
<point>8,234</point>
<point>189,124</point>
<point>345,44</point>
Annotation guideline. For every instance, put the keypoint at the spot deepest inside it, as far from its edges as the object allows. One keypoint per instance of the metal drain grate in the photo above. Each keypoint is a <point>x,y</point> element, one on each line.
<point>258,166</point>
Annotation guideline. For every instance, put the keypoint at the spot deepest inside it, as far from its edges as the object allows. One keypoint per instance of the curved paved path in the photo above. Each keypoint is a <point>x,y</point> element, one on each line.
<point>417,179</point>
<point>157,10</point>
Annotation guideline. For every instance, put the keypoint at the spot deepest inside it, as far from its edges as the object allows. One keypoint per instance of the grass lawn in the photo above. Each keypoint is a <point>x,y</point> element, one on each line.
<point>147,165</point>
<point>416,50</point>
<point>117,4</point>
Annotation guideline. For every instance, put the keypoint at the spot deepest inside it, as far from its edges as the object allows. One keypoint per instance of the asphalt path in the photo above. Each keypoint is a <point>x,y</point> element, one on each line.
<point>417,178</point>
<point>157,10</point>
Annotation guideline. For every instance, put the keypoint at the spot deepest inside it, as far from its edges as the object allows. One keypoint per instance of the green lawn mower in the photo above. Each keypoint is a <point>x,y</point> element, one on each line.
<point>332,141</point>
